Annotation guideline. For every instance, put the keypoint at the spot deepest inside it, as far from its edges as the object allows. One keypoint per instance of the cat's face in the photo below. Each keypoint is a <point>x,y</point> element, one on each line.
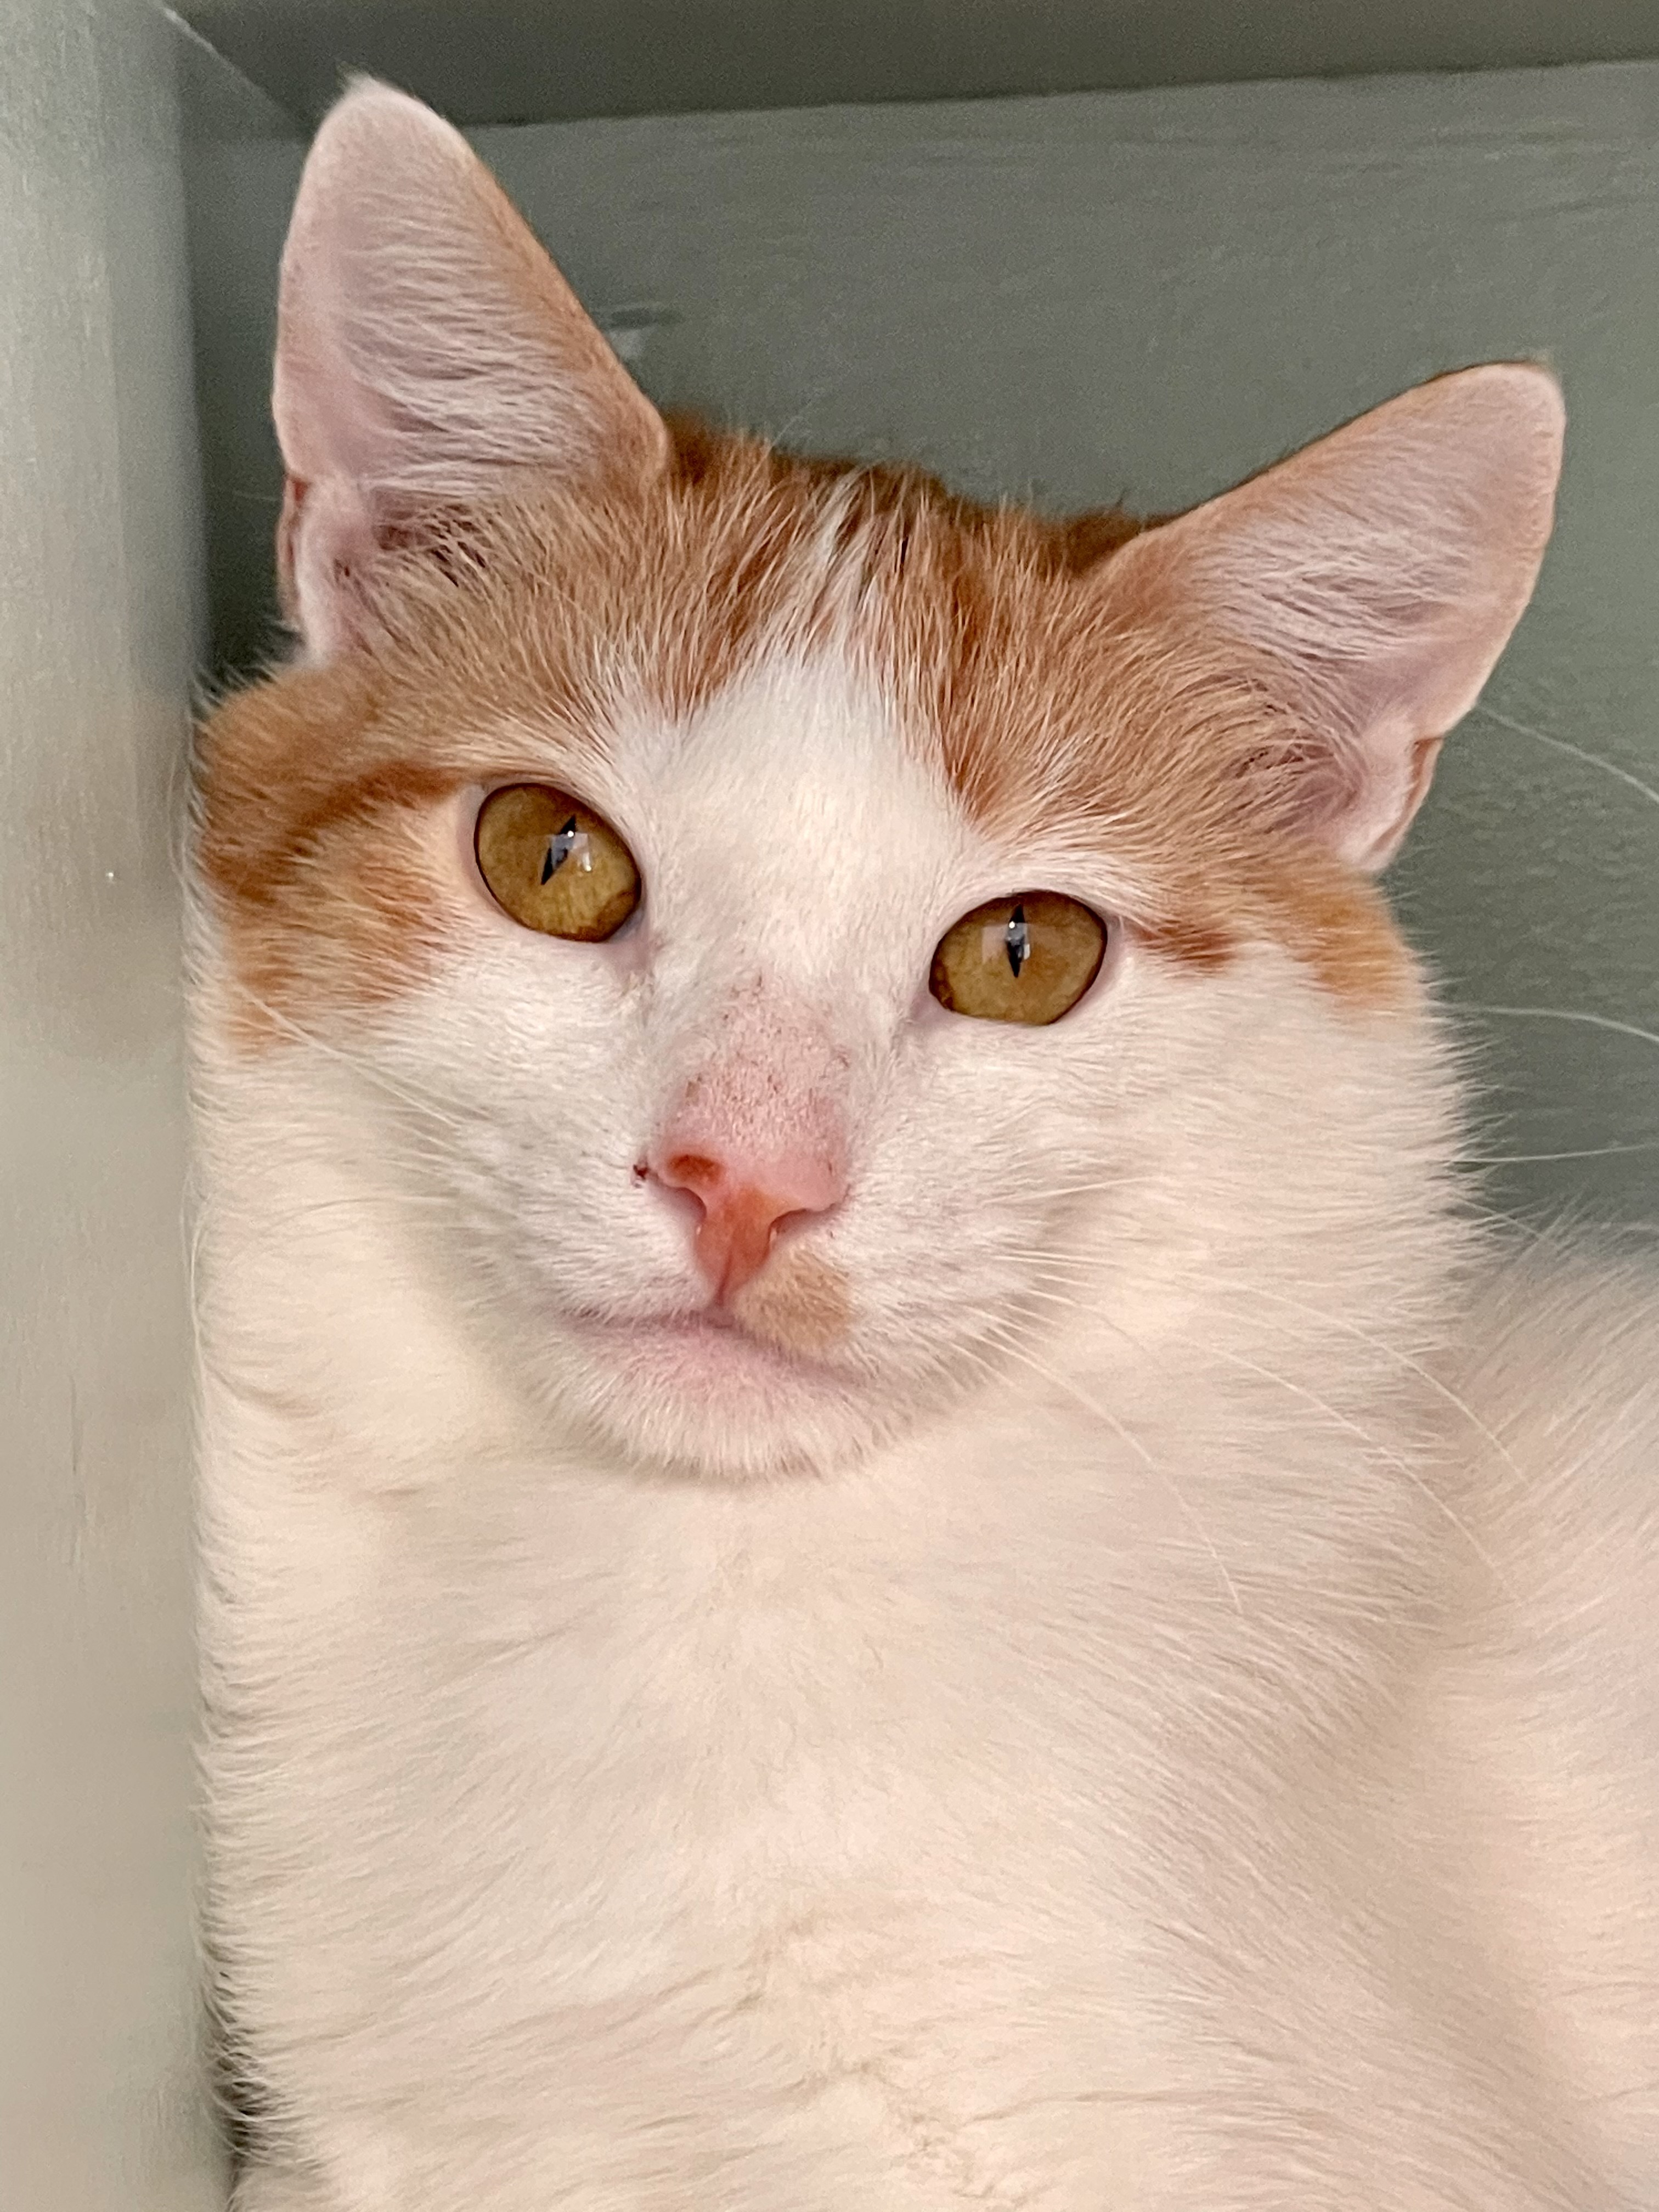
<point>789,997</point>
<point>766,1010</point>
<point>751,1159</point>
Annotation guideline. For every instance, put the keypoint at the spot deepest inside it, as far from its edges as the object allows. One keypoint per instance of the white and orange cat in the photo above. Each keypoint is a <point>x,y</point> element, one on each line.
<point>877,1539</point>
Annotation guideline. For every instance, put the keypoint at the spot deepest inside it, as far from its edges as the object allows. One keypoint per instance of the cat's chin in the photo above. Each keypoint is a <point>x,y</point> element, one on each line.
<point>706,1356</point>
<point>706,1395</point>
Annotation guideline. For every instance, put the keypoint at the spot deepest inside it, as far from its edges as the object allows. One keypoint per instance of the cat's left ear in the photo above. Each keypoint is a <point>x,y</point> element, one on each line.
<point>1374,578</point>
<point>427,346</point>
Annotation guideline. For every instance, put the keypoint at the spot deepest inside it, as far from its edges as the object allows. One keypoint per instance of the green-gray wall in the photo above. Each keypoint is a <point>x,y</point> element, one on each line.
<point>543,61</point>
<point>102,2103</point>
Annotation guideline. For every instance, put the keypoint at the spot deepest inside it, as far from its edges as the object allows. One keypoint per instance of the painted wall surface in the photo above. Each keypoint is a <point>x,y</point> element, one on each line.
<point>241,163</point>
<point>101,2105</point>
<point>531,61</point>
<point>1143,297</point>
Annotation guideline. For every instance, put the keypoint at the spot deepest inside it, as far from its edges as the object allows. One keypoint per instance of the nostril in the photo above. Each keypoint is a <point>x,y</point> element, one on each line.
<point>741,1198</point>
<point>693,1172</point>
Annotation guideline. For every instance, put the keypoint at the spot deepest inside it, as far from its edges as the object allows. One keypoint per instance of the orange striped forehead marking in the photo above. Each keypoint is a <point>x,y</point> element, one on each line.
<point>1044,701</point>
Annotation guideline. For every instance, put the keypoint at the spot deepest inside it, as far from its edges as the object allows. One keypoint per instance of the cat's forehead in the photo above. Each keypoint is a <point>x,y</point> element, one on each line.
<point>804,687</point>
<point>784,827</point>
<point>818,635</point>
<point>798,775</point>
<point>793,742</point>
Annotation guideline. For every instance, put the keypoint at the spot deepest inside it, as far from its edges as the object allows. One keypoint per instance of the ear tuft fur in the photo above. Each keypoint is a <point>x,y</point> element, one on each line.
<point>1375,577</point>
<point>427,348</point>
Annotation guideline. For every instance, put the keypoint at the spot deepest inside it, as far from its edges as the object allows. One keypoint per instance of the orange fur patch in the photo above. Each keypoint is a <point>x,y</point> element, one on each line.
<point>799,1301</point>
<point>500,639</point>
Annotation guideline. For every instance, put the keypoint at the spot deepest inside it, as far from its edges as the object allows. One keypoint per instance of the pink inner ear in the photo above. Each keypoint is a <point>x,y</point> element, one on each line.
<point>427,349</point>
<point>326,542</point>
<point>1373,828</point>
<point>1377,576</point>
<point>1308,783</point>
<point>1360,804</point>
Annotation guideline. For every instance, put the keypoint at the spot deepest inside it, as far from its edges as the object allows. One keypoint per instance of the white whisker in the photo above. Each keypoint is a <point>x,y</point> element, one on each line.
<point>1574,752</point>
<point>1528,1159</point>
<point>1111,1187</point>
<point>1560,1014</point>
<point>441,1115</point>
<point>1389,1458</point>
<point>1401,1358</point>
<point>1090,1405</point>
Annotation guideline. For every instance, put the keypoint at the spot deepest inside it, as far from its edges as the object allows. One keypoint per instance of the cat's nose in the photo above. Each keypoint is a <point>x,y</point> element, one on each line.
<point>744,1203</point>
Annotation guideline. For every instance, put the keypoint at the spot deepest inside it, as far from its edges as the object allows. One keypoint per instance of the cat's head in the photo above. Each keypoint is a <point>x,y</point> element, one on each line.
<point>797,934</point>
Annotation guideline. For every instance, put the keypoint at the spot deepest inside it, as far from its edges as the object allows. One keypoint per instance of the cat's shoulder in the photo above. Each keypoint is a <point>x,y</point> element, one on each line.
<point>1566,1320</point>
<point>1554,1387</point>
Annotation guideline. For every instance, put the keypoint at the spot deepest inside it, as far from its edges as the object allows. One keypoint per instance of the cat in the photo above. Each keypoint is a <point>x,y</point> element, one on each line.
<point>879,1532</point>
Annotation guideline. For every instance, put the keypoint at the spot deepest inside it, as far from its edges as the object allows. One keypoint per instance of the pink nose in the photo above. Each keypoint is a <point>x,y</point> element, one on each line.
<point>744,1203</point>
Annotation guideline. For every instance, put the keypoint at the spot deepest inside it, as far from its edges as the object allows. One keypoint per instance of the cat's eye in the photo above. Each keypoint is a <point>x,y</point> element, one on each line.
<point>554,865</point>
<point>1026,959</point>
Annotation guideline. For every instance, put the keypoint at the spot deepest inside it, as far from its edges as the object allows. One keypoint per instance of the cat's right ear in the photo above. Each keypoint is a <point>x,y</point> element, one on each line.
<point>427,348</point>
<point>1369,583</point>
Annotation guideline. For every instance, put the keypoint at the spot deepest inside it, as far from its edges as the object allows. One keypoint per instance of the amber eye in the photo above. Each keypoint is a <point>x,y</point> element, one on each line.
<point>1028,958</point>
<point>553,866</point>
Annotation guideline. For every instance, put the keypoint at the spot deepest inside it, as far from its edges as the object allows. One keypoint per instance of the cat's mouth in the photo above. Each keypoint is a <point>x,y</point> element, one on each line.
<point>712,1350</point>
<point>705,1390</point>
<point>788,1327</point>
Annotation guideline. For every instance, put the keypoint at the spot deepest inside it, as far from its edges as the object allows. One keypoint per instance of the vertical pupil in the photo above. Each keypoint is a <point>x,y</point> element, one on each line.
<point>560,849</point>
<point>1017,941</point>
